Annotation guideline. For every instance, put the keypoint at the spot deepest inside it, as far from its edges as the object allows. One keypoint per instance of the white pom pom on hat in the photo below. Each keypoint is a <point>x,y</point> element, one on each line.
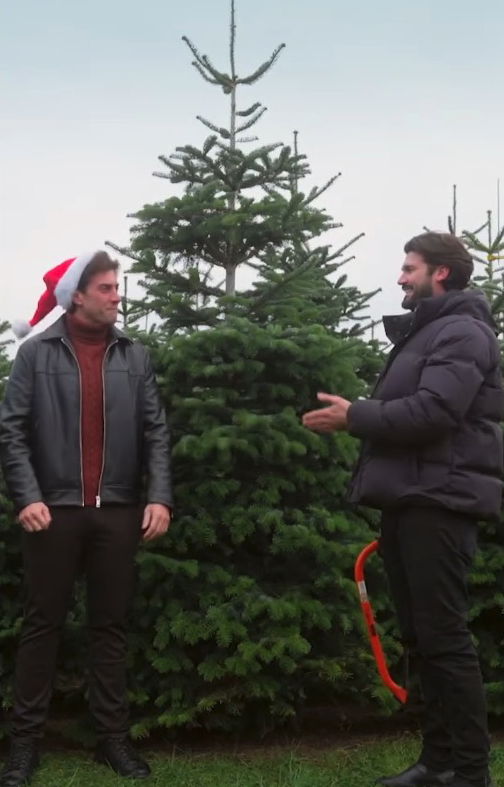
<point>61,284</point>
<point>21,328</point>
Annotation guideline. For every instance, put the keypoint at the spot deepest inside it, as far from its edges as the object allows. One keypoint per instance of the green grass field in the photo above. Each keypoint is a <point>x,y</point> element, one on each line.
<point>303,765</point>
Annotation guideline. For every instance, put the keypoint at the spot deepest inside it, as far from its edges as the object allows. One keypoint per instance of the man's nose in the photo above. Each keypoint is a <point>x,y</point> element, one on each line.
<point>401,280</point>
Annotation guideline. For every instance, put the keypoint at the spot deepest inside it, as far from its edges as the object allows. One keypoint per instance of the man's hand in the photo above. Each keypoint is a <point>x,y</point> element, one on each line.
<point>328,419</point>
<point>35,517</point>
<point>156,521</point>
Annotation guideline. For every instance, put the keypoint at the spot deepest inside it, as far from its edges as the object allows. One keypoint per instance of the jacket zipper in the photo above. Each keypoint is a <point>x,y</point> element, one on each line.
<point>98,496</point>
<point>80,416</point>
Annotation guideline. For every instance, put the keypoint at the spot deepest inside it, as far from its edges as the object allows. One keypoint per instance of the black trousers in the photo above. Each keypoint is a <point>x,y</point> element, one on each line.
<point>102,544</point>
<point>427,554</point>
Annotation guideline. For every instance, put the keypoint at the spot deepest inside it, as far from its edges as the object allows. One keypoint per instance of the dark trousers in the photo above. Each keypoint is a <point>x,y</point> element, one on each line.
<point>102,544</point>
<point>427,554</point>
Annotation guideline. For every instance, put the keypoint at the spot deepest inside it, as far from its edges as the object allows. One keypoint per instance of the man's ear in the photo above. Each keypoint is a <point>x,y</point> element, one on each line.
<point>441,273</point>
<point>77,298</point>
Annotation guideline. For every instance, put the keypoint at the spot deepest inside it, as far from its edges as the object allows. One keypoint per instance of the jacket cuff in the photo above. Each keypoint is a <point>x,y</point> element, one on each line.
<point>20,503</point>
<point>363,416</point>
<point>162,500</point>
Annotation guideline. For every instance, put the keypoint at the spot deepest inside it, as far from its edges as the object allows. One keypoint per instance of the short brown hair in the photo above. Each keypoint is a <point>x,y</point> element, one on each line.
<point>443,248</point>
<point>100,263</point>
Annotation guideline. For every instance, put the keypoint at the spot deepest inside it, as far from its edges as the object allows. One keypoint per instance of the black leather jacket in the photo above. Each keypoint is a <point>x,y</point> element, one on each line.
<point>40,428</point>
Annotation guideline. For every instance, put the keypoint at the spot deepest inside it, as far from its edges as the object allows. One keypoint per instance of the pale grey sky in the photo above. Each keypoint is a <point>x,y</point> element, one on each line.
<point>403,98</point>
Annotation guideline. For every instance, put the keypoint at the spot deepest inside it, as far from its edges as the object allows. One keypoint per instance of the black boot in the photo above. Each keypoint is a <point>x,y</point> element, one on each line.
<point>21,764</point>
<point>120,755</point>
<point>418,776</point>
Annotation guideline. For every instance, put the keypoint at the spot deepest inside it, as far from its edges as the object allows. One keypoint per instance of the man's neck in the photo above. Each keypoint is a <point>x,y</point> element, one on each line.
<point>81,329</point>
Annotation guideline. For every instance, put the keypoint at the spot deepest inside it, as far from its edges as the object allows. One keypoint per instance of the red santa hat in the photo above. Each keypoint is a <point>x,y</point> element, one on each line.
<point>61,284</point>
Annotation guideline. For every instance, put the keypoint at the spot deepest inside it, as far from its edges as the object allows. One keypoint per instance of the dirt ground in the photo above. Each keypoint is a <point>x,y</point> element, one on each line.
<point>319,730</point>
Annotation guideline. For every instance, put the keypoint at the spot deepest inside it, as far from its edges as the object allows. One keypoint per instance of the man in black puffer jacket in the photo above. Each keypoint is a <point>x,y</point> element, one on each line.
<point>432,462</point>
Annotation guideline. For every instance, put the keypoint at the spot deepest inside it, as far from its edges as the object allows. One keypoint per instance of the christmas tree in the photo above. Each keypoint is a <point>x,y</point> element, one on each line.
<point>486,245</point>
<point>241,209</point>
<point>10,564</point>
<point>489,252</point>
<point>251,597</point>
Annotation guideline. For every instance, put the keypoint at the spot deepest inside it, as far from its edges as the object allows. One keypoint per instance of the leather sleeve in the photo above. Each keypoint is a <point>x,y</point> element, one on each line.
<point>157,442</point>
<point>15,451</point>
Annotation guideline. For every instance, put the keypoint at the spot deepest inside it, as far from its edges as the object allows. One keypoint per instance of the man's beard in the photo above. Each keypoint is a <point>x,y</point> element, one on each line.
<point>418,293</point>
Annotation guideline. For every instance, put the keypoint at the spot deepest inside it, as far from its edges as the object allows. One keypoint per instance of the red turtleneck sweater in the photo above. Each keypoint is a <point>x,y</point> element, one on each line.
<point>90,344</point>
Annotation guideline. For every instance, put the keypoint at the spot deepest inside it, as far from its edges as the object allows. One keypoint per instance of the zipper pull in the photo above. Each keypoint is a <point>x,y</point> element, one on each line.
<point>98,501</point>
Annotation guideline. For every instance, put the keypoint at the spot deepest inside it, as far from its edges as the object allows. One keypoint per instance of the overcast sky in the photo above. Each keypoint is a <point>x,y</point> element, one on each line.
<point>403,97</point>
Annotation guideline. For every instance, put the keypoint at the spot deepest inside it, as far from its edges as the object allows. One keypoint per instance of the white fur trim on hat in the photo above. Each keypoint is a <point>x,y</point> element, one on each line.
<point>67,285</point>
<point>21,328</point>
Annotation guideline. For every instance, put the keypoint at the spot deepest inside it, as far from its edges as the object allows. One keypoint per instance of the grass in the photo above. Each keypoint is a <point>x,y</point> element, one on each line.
<point>355,765</point>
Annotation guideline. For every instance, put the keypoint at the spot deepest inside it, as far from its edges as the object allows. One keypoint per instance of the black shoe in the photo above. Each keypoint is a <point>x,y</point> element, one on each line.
<point>120,755</point>
<point>21,764</point>
<point>418,776</point>
<point>459,782</point>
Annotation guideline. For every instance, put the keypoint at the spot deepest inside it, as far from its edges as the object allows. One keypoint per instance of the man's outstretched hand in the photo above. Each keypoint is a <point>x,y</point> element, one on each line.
<point>332,418</point>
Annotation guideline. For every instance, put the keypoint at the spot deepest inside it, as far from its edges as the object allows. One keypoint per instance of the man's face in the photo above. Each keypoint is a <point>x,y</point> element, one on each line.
<point>100,303</point>
<point>418,282</point>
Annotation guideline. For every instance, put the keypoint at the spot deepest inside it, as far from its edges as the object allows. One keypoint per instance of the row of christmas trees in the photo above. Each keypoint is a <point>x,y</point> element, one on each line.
<point>246,613</point>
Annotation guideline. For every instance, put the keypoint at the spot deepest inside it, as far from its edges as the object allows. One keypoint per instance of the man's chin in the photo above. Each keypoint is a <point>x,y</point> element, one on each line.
<point>409,303</point>
<point>108,319</point>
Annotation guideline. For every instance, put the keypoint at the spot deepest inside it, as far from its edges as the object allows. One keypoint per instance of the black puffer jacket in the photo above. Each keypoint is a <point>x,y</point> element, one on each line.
<point>40,442</point>
<point>431,430</point>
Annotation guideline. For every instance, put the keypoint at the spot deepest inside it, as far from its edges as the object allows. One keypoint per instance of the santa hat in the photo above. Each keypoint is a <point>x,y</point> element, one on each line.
<point>61,284</point>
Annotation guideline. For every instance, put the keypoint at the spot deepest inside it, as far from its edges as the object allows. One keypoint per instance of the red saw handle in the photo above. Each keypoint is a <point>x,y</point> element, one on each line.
<point>398,691</point>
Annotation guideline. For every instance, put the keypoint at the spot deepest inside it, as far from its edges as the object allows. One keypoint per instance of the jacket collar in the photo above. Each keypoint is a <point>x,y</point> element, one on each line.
<point>398,326</point>
<point>471,303</point>
<point>58,331</point>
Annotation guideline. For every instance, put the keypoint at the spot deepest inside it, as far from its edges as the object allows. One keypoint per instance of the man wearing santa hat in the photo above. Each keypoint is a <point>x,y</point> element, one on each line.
<point>82,425</point>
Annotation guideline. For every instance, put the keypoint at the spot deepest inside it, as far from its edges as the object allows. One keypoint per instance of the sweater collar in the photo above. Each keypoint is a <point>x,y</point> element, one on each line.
<point>80,331</point>
<point>58,330</point>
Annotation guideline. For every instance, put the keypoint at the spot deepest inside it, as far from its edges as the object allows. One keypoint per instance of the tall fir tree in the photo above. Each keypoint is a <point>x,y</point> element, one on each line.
<point>10,568</point>
<point>251,596</point>
<point>486,244</point>
<point>487,247</point>
<point>240,210</point>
